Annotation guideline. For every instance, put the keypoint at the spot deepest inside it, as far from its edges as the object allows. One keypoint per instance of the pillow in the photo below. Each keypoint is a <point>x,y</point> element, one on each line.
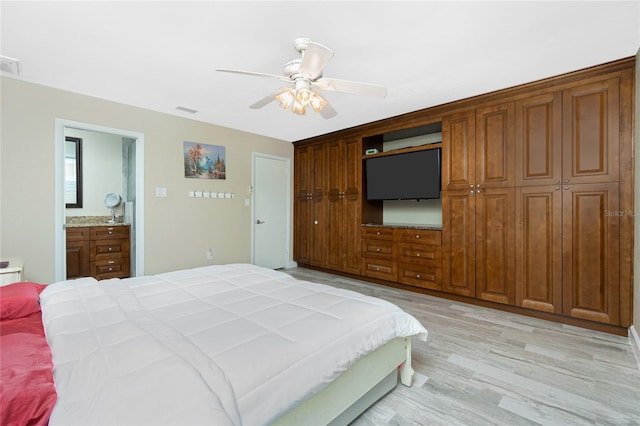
<point>19,300</point>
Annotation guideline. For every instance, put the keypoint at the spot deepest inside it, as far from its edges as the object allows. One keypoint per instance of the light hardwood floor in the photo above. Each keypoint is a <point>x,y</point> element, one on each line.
<point>481,366</point>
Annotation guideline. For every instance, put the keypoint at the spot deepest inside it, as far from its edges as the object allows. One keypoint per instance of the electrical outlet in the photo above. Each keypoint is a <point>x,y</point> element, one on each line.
<point>210,254</point>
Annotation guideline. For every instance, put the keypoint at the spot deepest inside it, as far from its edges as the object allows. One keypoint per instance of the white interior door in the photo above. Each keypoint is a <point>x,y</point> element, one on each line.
<point>271,210</point>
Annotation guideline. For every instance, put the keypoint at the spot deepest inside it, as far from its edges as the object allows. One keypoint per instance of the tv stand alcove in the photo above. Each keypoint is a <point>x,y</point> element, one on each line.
<point>536,180</point>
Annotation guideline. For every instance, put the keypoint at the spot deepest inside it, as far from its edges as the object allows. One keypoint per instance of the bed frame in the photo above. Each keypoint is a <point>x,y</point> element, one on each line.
<point>356,389</point>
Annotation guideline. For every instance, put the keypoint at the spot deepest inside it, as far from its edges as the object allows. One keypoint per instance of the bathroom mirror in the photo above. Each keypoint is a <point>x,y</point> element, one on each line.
<point>73,172</point>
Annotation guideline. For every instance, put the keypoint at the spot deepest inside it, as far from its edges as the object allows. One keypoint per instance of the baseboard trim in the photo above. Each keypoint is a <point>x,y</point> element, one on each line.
<point>291,264</point>
<point>634,339</point>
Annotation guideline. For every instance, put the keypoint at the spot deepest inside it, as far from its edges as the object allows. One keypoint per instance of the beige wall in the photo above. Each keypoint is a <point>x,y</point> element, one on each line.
<point>178,229</point>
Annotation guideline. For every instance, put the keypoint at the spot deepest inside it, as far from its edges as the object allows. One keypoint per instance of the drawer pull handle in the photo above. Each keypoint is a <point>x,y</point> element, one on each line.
<point>111,262</point>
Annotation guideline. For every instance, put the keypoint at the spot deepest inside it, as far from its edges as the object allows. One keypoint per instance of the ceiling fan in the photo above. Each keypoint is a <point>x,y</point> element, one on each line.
<point>305,79</point>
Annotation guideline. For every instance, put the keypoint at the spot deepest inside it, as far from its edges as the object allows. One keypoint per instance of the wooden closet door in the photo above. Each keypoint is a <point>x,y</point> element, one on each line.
<point>334,155</point>
<point>458,151</point>
<point>495,245</point>
<point>591,133</point>
<point>538,137</point>
<point>495,147</point>
<point>591,252</point>
<point>302,206</point>
<point>539,248</point>
<point>318,225</point>
<point>458,242</point>
<point>352,211</point>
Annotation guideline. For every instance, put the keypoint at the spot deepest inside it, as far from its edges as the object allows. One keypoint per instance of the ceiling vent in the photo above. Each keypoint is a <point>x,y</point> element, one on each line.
<point>185,109</point>
<point>9,65</point>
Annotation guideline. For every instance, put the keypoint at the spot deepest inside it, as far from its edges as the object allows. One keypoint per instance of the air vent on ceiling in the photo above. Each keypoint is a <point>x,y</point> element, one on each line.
<point>9,65</point>
<point>185,109</point>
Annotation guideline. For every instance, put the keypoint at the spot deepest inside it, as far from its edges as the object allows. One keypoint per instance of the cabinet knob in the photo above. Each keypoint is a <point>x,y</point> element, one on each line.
<point>109,248</point>
<point>417,236</point>
<point>557,180</point>
<point>377,249</point>
<point>418,254</point>
<point>315,222</point>
<point>377,269</point>
<point>110,269</point>
<point>566,181</point>
<point>378,233</point>
<point>557,187</point>
<point>566,187</point>
<point>417,275</point>
<point>472,193</point>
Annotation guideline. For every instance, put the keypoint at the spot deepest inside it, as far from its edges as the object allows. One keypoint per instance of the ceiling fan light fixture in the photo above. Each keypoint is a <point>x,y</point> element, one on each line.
<point>286,98</point>
<point>317,102</point>
<point>298,108</point>
<point>303,97</point>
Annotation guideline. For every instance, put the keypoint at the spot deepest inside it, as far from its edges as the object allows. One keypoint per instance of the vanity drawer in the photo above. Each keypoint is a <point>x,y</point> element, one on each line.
<point>78,234</point>
<point>102,249</point>
<point>417,254</point>
<point>110,268</point>
<point>379,249</point>
<point>420,276</point>
<point>379,268</point>
<point>377,233</point>
<point>421,236</point>
<point>109,232</point>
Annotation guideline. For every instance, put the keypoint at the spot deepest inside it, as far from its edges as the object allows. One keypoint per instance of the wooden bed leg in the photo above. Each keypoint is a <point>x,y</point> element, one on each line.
<point>406,372</point>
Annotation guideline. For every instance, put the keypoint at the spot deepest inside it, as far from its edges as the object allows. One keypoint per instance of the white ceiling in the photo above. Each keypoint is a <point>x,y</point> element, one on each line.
<point>159,55</point>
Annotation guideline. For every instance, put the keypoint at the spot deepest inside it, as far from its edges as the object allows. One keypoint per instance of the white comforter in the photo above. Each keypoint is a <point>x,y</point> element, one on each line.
<point>229,344</point>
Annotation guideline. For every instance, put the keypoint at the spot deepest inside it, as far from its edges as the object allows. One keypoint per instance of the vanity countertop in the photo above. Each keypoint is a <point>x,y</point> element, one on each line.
<point>86,221</point>
<point>405,226</point>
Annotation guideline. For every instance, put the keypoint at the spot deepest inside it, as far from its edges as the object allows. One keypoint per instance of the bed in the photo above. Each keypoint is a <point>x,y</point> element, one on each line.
<point>224,344</point>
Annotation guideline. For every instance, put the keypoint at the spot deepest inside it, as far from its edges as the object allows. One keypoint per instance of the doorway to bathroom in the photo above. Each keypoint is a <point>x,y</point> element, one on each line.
<point>99,165</point>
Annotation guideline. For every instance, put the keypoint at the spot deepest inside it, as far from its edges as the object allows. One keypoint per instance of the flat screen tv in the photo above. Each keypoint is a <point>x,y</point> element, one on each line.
<point>407,176</point>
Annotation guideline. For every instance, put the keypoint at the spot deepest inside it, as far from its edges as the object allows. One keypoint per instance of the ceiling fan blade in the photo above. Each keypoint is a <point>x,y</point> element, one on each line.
<point>352,87</point>
<point>267,99</point>
<point>256,74</point>
<point>314,59</point>
<point>328,111</point>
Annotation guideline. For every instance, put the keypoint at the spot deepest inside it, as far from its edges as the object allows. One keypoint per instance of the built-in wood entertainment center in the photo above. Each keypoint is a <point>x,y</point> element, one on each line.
<point>536,203</point>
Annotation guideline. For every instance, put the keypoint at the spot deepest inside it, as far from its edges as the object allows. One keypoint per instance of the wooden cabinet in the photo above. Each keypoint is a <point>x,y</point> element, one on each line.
<point>537,200</point>
<point>309,208</point>
<point>420,258</point>
<point>327,206</point>
<point>479,220</point>
<point>591,252</point>
<point>568,231</point>
<point>77,252</point>
<point>343,162</point>
<point>379,253</point>
<point>405,255</point>
<point>98,251</point>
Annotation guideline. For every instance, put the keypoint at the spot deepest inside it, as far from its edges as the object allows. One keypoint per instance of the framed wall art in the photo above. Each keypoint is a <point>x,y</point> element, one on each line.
<point>202,161</point>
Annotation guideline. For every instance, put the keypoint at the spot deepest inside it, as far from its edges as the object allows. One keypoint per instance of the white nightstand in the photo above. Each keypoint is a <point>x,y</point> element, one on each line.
<point>13,272</point>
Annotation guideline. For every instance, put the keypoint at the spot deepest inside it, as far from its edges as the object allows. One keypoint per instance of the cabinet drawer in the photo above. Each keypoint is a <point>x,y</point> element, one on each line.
<point>110,268</point>
<point>109,232</point>
<point>420,276</point>
<point>379,268</point>
<point>378,249</point>
<point>377,233</point>
<point>103,249</point>
<point>417,254</point>
<point>78,234</point>
<point>421,236</point>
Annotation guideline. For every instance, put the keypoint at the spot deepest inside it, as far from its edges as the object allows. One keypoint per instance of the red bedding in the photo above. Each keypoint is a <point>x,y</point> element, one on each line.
<point>27,390</point>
